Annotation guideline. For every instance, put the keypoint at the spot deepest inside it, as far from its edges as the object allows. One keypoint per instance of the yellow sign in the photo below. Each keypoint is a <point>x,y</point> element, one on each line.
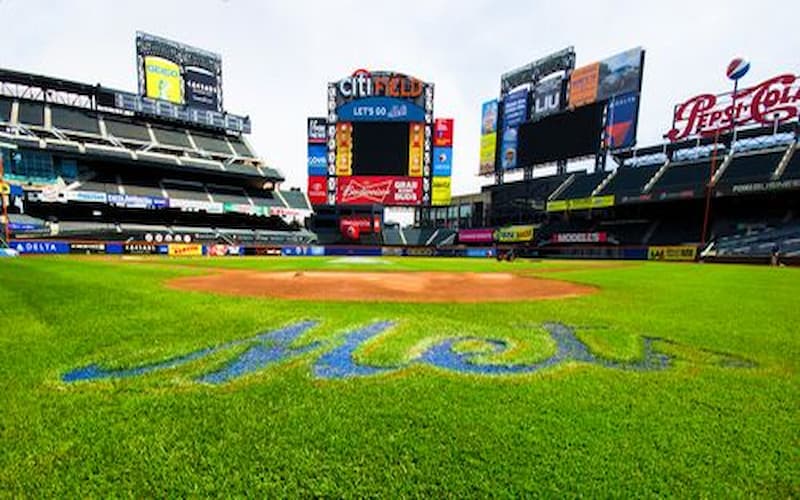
<point>163,79</point>
<point>441,191</point>
<point>184,250</point>
<point>415,144</point>
<point>581,203</point>
<point>514,234</point>
<point>488,150</point>
<point>344,149</point>
<point>684,253</point>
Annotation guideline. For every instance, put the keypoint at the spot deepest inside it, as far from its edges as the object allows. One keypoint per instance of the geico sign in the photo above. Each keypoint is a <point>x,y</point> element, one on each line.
<point>364,84</point>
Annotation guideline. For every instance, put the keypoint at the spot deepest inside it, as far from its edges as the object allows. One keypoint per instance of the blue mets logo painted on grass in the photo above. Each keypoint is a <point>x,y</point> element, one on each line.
<point>272,347</point>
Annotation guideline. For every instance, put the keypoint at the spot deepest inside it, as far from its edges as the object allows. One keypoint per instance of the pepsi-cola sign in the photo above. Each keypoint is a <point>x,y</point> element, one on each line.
<point>772,101</point>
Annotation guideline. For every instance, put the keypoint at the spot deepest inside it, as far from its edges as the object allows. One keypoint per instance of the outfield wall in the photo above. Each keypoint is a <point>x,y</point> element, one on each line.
<point>61,247</point>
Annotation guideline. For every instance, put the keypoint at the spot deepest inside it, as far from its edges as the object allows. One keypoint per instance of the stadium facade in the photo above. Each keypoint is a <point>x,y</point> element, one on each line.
<point>85,164</point>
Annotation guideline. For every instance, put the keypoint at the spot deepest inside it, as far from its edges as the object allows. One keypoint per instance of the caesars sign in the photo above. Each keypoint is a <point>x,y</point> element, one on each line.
<point>771,102</point>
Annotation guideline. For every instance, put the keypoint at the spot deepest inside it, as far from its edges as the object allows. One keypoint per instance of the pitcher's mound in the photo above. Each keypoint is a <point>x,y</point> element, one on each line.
<point>387,287</point>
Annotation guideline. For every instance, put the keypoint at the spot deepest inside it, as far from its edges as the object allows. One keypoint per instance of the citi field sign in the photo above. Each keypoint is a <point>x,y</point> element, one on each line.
<point>363,84</point>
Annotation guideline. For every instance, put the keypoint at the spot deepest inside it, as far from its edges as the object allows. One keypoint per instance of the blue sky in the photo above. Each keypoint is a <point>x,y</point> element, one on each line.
<point>278,56</point>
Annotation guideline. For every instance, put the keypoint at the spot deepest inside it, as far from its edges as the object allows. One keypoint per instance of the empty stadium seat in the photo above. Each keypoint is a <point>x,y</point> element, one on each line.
<point>127,131</point>
<point>582,186</point>
<point>5,110</point>
<point>172,137</point>
<point>682,177</point>
<point>31,113</point>
<point>630,181</point>
<point>74,120</point>
<point>212,144</point>
<point>295,199</point>
<point>751,168</point>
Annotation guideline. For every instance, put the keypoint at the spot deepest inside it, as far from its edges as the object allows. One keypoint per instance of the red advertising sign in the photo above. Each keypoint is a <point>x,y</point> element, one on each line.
<point>381,190</point>
<point>364,223</point>
<point>317,190</point>
<point>772,101</point>
<point>476,235</point>
<point>443,132</point>
<point>600,237</point>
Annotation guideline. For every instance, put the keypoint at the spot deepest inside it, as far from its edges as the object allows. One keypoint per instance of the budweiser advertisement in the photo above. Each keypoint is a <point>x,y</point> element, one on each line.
<point>771,102</point>
<point>597,237</point>
<point>379,190</point>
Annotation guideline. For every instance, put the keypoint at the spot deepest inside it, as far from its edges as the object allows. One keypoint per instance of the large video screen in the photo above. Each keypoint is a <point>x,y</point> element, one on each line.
<point>564,135</point>
<point>380,148</point>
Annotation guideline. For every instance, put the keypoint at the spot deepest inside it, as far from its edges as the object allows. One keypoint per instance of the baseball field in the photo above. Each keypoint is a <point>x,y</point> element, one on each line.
<point>397,377</point>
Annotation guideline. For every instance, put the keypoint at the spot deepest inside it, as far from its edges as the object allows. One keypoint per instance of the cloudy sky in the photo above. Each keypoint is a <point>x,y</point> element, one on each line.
<point>278,56</point>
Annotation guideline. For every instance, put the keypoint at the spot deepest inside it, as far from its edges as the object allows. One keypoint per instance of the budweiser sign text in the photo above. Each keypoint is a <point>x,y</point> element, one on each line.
<point>774,100</point>
<point>381,190</point>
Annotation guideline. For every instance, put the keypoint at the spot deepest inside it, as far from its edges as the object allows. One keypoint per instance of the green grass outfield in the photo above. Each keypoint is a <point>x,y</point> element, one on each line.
<point>698,428</point>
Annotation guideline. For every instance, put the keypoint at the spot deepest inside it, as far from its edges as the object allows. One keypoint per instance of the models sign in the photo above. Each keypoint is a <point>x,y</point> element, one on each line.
<point>379,190</point>
<point>773,101</point>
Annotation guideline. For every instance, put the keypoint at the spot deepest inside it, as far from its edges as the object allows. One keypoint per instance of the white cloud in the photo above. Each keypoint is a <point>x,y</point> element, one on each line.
<point>278,56</point>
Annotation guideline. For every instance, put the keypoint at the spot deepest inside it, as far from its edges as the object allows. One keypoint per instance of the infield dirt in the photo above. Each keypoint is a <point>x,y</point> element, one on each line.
<point>383,287</point>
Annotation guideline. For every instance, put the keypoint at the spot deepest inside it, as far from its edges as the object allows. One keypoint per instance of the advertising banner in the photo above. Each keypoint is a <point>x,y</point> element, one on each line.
<point>40,247</point>
<point>621,118</point>
<point>344,149</point>
<point>134,201</point>
<point>163,80</point>
<point>488,152</point>
<point>224,250</point>
<point>508,149</point>
<point>489,117</point>
<point>317,133</point>
<point>674,253</point>
<point>442,161</point>
<point>476,235</point>
<point>317,190</point>
<point>441,191</point>
<point>86,196</point>
<point>380,109</point>
<point>201,89</point>
<point>303,251</point>
<point>515,108</point>
<point>568,238</point>
<point>581,203</point>
<point>416,137</point>
<point>87,247</point>
<point>241,208</point>
<point>353,226</point>
<point>196,205</point>
<point>184,250</point>
<point>514,234</point>
<point>176,73</point>
<point>140,248</point>
<point>773,101</point>
<point>383,190</point>
<point>620,74</point>
<point>583,85</point>
<point>547,98</point>
<point>317,159</point>
<point>443,132</point>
